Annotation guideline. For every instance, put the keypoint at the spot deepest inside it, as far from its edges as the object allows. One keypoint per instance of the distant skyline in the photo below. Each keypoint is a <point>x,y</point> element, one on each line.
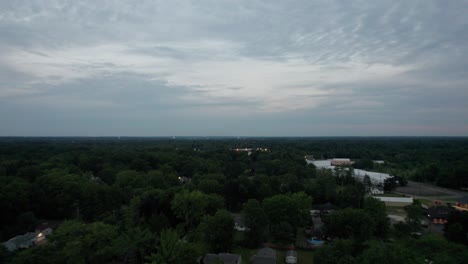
<point>233,68</point>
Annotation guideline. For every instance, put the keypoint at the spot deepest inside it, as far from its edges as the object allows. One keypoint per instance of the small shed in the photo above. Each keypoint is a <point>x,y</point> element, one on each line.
<point>239,222</point>
<point>291,257</point>
<point>20,242</point>
<point>322,208</point>
<point>265,255</point>
<point>224,258</point>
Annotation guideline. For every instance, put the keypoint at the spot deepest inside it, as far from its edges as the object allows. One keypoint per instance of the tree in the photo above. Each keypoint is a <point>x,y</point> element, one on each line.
<point>134,244</point>
<point>302,205</point>
<point>365,164</point>
<point>14,200</point>
<point>390,184</point>
<point>210,186</point>
<point>438,249</point>
<point>414,214</point>
<point>339,252</point>
<point>350,223</point>
<point>378,252</point>
<point>171,250</point>
<point>256,220</point>
<point>323,188</point>
<point>456,233</point>
<point>456,229</point>
<point>367,183</point>
<point>189,206</point>
<point>59,195</point>
<point>218,231</point>
<point>352,195</point>
<point>285,212</point>
<point>37,255</point>
<point>77,242</point>
<point>377,210</point>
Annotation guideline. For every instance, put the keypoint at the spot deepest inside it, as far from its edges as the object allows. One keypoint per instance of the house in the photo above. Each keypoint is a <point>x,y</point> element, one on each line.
<point>291,257</point>
<point>224,258</point>
<point>41,236</point>
<point>341,162</point>
<point>462,204</point>
<point>22,241</point>
<point>239,222</point>
<point>38,237</point>
<point>439,214</point>
<point>322,209</point>
<point>265,255</point>
<point>377,190</point>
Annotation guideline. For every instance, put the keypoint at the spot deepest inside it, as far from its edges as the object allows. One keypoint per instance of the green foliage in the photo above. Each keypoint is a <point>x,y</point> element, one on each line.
<point>85,243</point>
<point>365,164</point>
<point>171,250</point>
<point>339,252</point>
<point>352,195</point>
<point>323,188</point>
<point>14,201</point>
<point>429,249</point>
<point>285,212</point>
<point>75,242</point>
<point>377,211</point>
<point>124,193</point>
<point>256,220</point>
<point>379,252</point>
<point>456,229</point>
<point>218,231</point>
<point>210,186</point>
<point>350,223</point>
<point>414,214</point>
<point>190,206</point>
<point>437,248</point>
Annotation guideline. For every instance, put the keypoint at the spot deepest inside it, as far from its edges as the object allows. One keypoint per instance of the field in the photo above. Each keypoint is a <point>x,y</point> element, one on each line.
<point>395,210</point>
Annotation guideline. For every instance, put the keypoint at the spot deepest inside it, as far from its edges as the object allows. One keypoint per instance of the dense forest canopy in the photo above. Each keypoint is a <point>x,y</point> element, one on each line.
<point>135,198</point>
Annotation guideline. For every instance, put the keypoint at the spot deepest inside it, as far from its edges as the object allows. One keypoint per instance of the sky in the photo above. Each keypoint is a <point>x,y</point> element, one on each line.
<point>233,68</point>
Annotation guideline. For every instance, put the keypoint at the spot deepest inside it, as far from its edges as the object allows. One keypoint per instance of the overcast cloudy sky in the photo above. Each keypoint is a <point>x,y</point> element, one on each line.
<point>232,68</point>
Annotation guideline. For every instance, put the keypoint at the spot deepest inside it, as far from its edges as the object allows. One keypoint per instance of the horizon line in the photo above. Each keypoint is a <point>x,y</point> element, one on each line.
<point>346,136</point>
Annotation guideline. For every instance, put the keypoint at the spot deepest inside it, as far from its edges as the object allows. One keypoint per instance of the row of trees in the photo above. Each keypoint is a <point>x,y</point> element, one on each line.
<point>428,249</point>
<point>365,236</point>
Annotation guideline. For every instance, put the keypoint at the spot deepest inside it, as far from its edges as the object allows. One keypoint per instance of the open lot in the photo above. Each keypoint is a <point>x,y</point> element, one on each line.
<point>430,192</point>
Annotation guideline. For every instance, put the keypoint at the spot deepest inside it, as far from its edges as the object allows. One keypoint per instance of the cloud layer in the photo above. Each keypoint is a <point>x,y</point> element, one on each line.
<point>259,68</point>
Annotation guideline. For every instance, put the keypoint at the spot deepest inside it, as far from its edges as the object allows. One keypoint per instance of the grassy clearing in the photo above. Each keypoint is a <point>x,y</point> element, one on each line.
<point>303,256</point>
<point>300,238</point>
<point>426,202</point>
<point>280,257</point>
<point>392,195</point>
<point>394,210</point>
<point>246,253</point>
<point>239,236</point>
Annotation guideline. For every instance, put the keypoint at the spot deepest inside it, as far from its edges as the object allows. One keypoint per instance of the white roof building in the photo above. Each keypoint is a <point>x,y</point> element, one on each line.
<point>376,177</point>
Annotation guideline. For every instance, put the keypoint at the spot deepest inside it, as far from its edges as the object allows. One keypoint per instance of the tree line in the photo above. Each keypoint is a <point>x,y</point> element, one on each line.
<point>149,200</point>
